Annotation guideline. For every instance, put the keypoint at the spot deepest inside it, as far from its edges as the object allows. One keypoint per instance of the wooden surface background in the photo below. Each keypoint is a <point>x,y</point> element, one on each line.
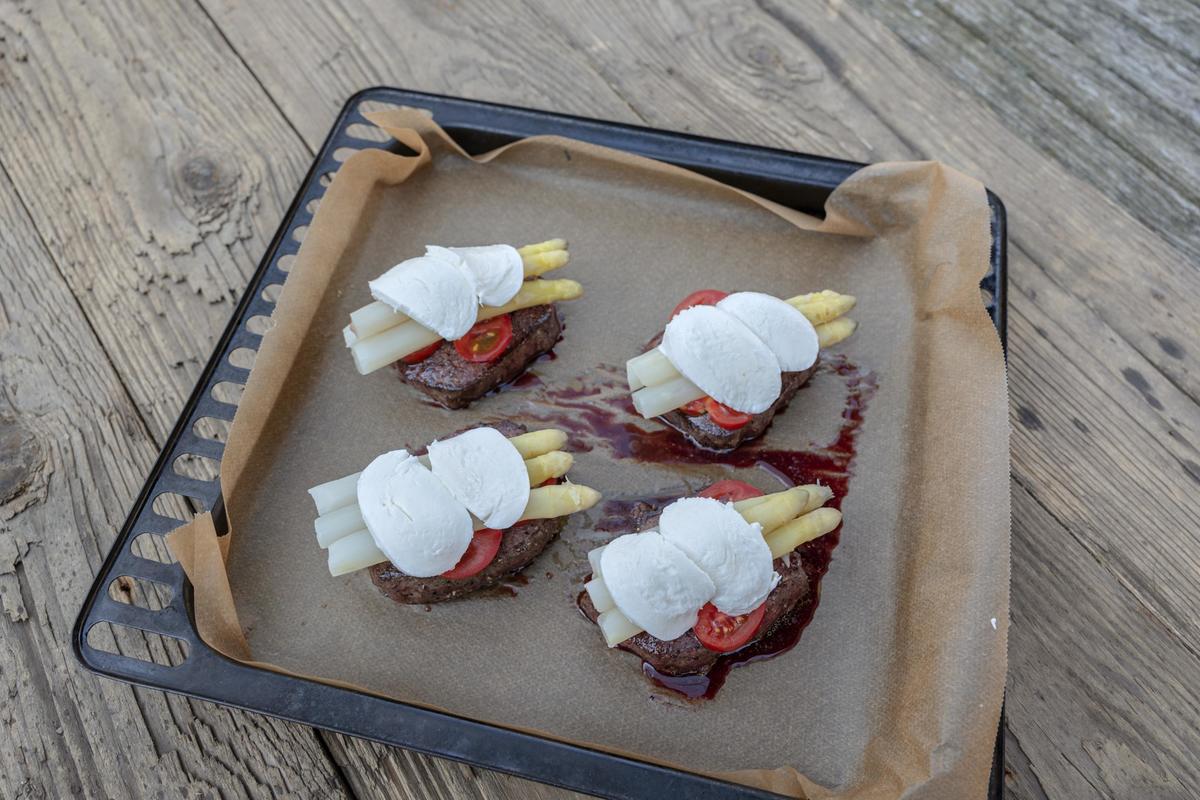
<point>148,153</point>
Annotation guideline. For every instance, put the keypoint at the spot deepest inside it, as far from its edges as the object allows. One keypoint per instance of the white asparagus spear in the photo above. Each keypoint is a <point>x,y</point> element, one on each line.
<point>536,443</point>
<point>806,520</point>
<point>654,401</point>
<point>548,465</point>
<point>616,627</point>
<point>537,259</point>
<point>354,552</point>
<point>373,352</point>
<point>601,599</point>
<point>335,494</point>
<point>542,247</point>
<point>338,524</point>
<point>788,537</point>
<point>833,332</point>
<point>373,318</point>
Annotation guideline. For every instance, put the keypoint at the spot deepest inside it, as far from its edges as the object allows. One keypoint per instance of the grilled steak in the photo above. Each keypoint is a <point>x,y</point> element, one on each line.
<point>708,434</point>
<point>454,382</point>
<point>685,655</point>
<point>519,546</point>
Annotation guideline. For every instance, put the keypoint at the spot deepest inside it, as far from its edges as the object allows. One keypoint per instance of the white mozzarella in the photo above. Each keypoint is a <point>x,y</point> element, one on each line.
<point>498,271</point>
<point>438,293</point>
<point>730,551</point>
<point>654,584</point>
<point>411,516</point>
<point>484,472</point>
<point>717,352</point>
<point>789,334</point>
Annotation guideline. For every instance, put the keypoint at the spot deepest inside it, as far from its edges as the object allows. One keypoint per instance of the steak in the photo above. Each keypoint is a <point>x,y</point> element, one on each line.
<point>685,655</point>
<point>453,382</point>
<point>702,431</point>
<point>519,546</point>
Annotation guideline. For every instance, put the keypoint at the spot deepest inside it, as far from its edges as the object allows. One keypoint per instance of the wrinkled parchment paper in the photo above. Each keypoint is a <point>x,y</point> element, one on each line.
<point>896,686</point>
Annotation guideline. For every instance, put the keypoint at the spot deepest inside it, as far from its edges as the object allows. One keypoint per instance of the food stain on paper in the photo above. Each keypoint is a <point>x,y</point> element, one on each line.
<point>597,413</point>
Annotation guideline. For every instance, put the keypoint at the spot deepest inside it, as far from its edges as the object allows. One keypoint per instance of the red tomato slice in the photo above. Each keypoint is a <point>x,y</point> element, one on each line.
<point>730,491</point>
<point>421,355</point>
<point>725,416</point>
<point>486,340</point>
<point>694,408</point>
<point>480,552</point>
<point>704,297</point>
<point>724,634</point>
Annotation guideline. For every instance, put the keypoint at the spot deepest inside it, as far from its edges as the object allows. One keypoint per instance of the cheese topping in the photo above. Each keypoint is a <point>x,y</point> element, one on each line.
<point>497,269</point>
<point>443,289</point>
<point>439,294</point>
<point>654,584</point>
<point>484,472</point>
<point>729,550</point>
<point>716,351</point>
<point>781,326</point>
<point>411,515</point>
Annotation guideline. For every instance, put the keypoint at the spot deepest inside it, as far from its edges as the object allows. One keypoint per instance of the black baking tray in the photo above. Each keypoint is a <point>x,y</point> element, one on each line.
<point>799,181</point>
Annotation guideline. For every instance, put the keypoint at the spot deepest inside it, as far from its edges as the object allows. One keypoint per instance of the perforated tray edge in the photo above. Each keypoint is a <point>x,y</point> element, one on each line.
<point>799,180</point>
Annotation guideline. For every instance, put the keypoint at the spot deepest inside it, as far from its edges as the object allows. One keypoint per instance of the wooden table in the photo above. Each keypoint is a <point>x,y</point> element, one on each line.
<point>148,155</point>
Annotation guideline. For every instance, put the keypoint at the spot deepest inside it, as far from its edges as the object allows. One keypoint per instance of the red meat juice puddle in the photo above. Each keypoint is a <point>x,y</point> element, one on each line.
<point>598,409</point>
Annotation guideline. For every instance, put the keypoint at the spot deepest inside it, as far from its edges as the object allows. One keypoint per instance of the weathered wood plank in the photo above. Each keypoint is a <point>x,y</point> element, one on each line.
<point>1086,88</point>
<point>1100,700</point>
<point>389,773</point>
<point>155,169</point>
<point>73,452</point>
<point>312,61</point>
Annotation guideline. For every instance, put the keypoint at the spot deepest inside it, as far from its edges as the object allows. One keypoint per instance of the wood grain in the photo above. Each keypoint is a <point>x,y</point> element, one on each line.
<point>155,169</point>
<point>1081,115</point>
<point>74,453</point>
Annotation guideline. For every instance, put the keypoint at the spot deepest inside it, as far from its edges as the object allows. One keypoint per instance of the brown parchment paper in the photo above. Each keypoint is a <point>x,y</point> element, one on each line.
<point>896,686</point>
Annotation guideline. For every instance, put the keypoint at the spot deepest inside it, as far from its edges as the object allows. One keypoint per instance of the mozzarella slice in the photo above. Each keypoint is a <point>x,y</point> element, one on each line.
<point>411,516</point>
<point>484,472</point>
<point>717,352</point>
<point>498,271</point>
<point>729,550</point>
<point>438,293</point>
<point>654,584</point>
<point>789,334</point>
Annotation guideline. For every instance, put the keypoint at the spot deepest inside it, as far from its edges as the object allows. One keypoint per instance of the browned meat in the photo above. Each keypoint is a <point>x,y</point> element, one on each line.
<point>519,546</point>
<point>685,655</point>
<point>707,434</point>
<point>454,382</point>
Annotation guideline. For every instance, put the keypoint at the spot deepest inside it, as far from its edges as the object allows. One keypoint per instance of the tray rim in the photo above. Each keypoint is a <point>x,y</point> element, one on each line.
<point>592,770</point>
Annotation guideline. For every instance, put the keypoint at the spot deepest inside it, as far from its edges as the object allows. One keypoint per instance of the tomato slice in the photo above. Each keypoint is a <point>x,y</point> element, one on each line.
<point>730,491</point>
<point>421,355</point>
<point>694,408</point>
<point>480,552</point>
<point>486,340</point>
<point>725,416</point>
<point>703,297</point>
<point>723,633</point>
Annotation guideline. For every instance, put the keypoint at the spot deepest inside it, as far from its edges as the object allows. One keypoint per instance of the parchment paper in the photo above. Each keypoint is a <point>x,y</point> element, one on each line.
<point>896,686</point>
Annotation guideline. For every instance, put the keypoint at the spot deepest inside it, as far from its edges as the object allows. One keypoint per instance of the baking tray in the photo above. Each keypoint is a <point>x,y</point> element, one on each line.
<point>799,181</point>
